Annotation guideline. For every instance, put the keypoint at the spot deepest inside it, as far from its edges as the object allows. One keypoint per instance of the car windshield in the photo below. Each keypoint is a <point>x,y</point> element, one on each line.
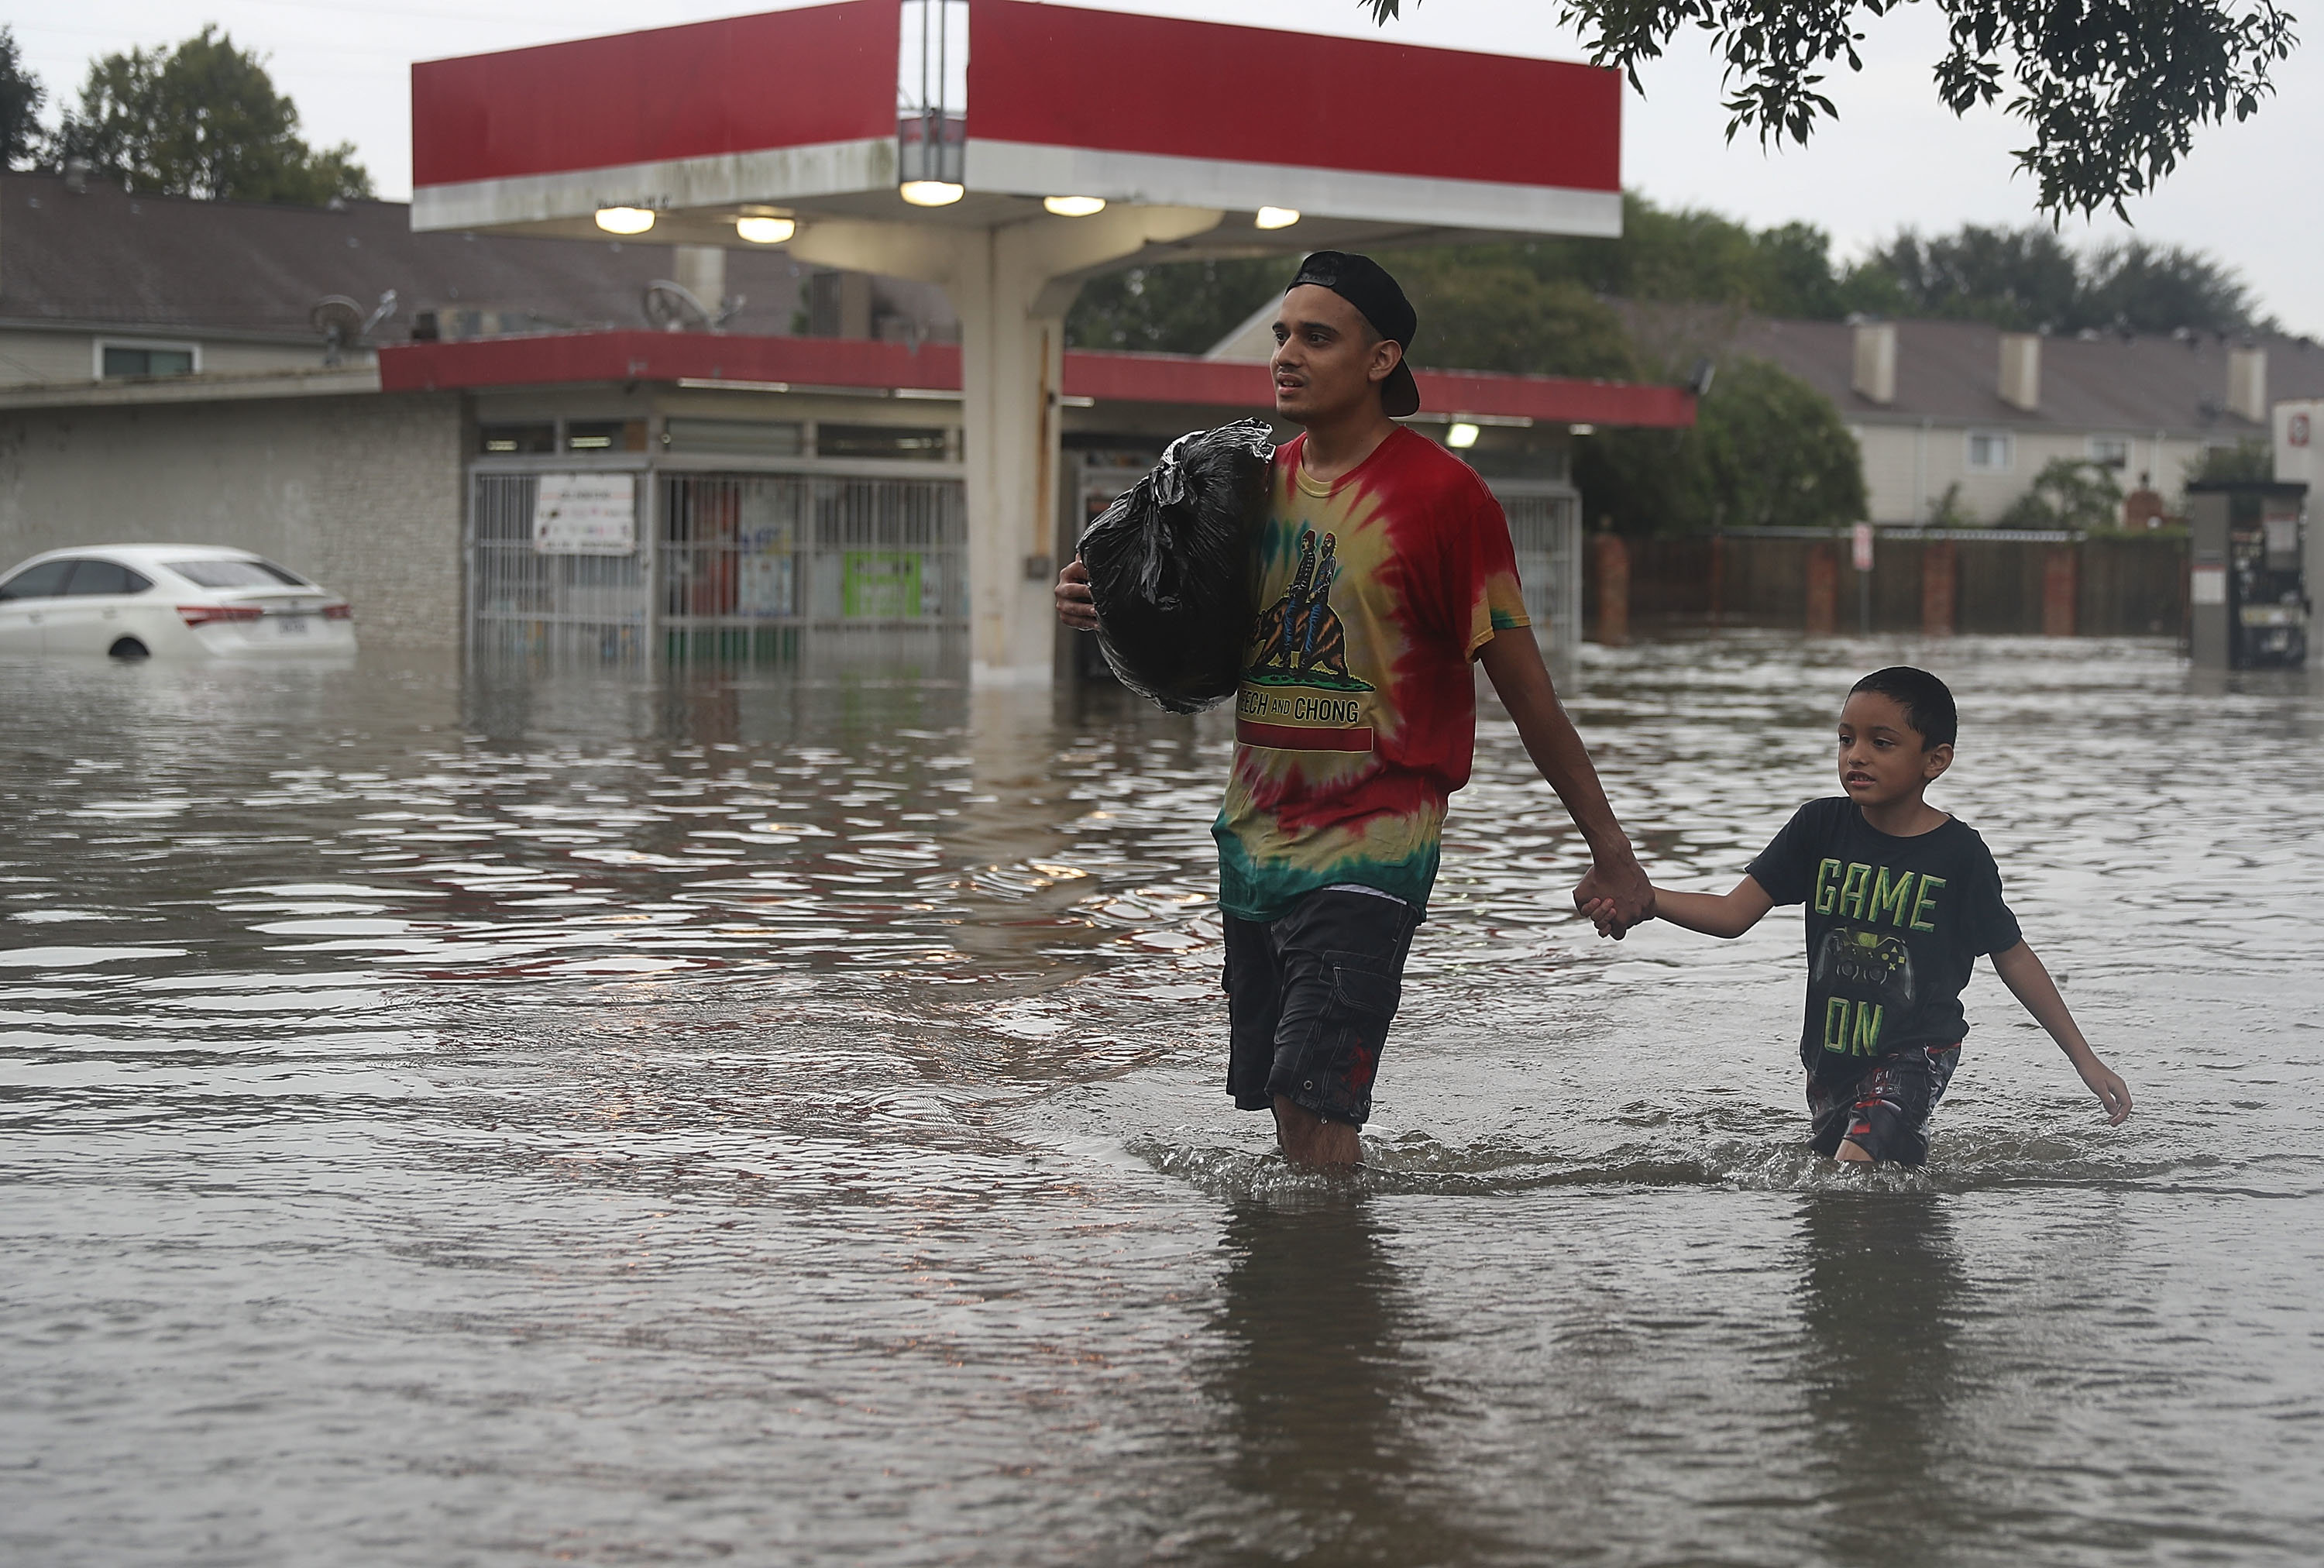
<point>239,574</point>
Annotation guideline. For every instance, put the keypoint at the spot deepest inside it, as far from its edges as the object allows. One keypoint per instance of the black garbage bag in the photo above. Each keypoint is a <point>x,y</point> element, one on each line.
<point>1170,568</point>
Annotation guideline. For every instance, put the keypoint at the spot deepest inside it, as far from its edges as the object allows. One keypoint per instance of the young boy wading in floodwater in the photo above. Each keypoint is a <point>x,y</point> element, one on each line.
<point>1385,570</point>
<point>1901,899</point>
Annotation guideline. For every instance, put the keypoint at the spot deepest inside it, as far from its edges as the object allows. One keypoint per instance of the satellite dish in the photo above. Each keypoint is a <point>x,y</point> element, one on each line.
<point>675,308</point>
<point>340,321</point>
<point>379,312</point>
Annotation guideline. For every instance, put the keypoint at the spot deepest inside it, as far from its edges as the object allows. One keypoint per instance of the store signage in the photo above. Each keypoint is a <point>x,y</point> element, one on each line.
<point>586,514</point>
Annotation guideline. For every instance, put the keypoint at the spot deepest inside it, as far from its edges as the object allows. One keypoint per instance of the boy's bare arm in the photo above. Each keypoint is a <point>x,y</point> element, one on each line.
<point>1512,660</point>
<point>1728,914</point>
<point>2023,974</point>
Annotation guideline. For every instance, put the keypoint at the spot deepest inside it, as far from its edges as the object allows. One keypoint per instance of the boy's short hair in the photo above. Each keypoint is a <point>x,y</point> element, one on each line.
<point>1928,704</point>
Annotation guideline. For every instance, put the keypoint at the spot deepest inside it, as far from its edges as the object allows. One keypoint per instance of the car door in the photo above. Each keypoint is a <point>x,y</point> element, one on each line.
<point>86,618</point>
<point>26,600</point>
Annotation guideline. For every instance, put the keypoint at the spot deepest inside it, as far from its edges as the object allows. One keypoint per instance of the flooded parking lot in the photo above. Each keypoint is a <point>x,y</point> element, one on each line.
<point>777,1119</point>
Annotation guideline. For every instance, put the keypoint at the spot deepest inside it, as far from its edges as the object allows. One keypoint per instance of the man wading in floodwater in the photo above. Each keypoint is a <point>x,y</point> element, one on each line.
<point>1384,568</point>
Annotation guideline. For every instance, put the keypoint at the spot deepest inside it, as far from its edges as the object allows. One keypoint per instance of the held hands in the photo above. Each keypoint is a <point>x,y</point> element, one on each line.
<point>1075,607</point>
<point>1616,896</point>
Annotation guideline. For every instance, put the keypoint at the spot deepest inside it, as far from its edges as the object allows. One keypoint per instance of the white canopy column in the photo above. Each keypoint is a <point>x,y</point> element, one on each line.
<point>1012,285</point>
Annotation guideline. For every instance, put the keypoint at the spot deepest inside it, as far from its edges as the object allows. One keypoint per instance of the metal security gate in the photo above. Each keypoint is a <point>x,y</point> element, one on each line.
<point>1546,527</point>
<point>724,566</point>
<point>529,604</point>
<point>750,562</point>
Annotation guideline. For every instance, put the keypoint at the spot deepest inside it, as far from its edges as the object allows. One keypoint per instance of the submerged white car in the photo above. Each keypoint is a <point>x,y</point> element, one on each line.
<point>172,600</point>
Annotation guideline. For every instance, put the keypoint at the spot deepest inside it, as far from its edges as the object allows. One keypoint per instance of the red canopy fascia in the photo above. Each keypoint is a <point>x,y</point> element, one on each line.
<point>857,364</point>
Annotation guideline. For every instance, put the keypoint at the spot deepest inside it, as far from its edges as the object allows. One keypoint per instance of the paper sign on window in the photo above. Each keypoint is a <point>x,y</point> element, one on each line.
<point>586,514</point>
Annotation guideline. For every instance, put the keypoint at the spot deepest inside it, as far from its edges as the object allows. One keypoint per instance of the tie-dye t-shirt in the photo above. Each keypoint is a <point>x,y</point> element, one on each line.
<point>1358,712</point>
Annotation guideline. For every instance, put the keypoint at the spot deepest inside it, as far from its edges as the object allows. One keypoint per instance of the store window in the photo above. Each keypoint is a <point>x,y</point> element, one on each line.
<point>605,435</point>
<point>506,441</point>
<point>891,441</point>
<point>754,438</point>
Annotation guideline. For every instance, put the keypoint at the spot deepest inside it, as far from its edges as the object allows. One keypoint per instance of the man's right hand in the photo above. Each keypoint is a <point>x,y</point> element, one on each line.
<point>1075,607</point>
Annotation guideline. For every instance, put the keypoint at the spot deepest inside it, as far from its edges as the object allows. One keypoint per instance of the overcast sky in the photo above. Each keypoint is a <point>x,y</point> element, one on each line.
<point>2248,194</point>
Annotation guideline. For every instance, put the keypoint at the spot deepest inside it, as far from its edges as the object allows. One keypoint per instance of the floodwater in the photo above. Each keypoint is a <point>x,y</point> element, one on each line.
<point>776,1119</point>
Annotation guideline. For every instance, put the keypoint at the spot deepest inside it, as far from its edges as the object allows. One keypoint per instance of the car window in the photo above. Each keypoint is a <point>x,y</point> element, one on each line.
<point>106,577</point>
<point>44,581</point>
<point>284,575</point>
<point>231,573</point>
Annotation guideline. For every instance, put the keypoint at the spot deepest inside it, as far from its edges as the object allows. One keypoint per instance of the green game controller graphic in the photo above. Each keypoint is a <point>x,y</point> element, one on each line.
<point>1867,964</point>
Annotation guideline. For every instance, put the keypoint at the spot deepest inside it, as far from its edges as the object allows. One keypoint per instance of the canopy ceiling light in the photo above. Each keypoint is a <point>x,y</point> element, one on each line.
<point>1277,216</point>
<point>625,219</point>
<point>931,192</point>
<point>765,228</point>
<point>1462,435</point>
<point>1075,206</point>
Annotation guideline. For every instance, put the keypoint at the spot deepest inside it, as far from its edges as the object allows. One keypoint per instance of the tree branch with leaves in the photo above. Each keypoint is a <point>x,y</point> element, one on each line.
<point>2113,90</point>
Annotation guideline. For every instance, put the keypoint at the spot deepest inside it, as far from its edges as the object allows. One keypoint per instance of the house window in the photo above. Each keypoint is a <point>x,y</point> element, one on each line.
<point>1990,451</point>
<point>116,360</point>
<point>2110,451</point>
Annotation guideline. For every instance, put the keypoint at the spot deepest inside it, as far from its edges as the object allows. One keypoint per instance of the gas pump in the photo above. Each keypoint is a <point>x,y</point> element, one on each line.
<point>2248,606</point>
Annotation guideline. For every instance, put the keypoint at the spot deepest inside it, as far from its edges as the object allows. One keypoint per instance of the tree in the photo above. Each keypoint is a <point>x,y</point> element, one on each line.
<point>1766,450</point>
<point>1176,307</point>
<point>1487,312</point>
<point>2112,89</point>
<point>2143,288</point>
<point>2026,280</point>
<point>2018,279</point>
<point>202,119</point>
<point>2250,458</point>
<point>2069,493</point>
<point>20,97</point>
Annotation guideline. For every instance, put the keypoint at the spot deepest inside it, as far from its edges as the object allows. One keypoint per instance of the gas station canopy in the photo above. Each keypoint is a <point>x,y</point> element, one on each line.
<point>826,112</point>
<point>1008,152</point>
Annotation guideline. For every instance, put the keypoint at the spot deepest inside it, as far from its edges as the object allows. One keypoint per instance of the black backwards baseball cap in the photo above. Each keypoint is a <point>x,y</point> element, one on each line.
<point>1364,284</point>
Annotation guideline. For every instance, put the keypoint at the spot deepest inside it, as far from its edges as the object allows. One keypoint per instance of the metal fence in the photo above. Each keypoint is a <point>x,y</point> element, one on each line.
<point>1545,530</point>
<point>748,561</point>
<point>523,603</point>
<point>734,567</point>
<point>766,566</point>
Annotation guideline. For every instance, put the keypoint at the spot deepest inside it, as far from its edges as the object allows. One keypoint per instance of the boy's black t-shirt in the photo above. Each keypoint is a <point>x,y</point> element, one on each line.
<point>1895,926</point>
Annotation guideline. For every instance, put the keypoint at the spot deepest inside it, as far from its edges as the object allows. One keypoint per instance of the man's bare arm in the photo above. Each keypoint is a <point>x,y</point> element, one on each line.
<point>1513,663</point>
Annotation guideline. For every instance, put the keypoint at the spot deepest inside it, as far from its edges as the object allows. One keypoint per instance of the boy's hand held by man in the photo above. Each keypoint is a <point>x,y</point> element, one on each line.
<point>1616,896</point>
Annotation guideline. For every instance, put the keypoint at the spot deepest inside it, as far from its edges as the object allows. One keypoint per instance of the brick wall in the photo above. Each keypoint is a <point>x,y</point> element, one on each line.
<point>361,491</point>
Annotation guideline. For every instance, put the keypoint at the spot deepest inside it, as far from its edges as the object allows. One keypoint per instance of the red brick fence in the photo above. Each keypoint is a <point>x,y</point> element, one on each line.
<point>1985,580</point>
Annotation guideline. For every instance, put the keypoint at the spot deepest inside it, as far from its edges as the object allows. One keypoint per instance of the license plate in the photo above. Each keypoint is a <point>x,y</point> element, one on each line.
<point>291,625</point>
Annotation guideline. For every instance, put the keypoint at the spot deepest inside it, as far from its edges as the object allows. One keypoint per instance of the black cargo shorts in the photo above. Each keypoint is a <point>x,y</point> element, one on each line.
<point>1309,999</point>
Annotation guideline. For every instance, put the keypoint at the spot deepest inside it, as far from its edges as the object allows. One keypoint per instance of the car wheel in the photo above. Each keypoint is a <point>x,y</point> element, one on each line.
<point>129,648</point>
